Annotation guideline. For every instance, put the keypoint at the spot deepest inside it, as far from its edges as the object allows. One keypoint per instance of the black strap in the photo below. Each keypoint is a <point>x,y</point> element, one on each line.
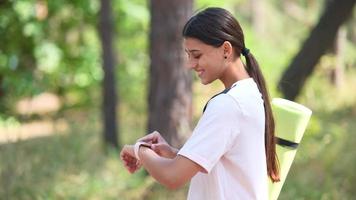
<point>223,92</point>
<point>286,143</point>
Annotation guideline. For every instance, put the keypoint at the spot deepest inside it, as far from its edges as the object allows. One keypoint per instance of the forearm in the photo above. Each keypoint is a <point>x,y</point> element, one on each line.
<point>160,168</point>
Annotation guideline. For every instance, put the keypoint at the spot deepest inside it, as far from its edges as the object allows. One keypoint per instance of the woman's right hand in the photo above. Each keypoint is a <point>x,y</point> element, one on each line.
<point>159,145</point>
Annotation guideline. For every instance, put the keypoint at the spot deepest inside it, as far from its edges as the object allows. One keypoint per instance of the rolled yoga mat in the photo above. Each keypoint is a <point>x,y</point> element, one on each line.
<point>291,120</point>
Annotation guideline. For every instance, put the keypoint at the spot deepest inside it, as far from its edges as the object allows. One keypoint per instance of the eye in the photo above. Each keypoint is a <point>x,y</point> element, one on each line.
<point>197,56</point>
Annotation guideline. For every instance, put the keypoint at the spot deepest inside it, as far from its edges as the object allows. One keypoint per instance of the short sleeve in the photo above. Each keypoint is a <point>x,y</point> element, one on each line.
<point>215,132</point>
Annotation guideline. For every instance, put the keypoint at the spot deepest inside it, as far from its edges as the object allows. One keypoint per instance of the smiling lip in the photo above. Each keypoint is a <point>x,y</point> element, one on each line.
<point>200,72</point>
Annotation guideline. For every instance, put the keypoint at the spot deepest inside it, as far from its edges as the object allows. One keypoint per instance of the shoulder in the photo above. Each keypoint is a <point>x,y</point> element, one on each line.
<point>223,104</point>
<point>247,96</point>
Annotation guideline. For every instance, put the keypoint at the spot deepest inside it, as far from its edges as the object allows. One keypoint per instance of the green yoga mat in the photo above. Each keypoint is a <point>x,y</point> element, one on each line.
<point>291,120</point>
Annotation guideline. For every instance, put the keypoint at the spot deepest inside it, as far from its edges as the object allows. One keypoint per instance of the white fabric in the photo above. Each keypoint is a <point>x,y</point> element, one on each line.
<point>228,143</point>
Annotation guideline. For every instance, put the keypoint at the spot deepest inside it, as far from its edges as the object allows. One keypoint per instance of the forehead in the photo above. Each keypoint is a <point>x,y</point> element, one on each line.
<point>192,44</point>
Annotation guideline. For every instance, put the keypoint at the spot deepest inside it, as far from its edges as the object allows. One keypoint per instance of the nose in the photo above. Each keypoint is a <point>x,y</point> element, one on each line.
<point>192,64</point>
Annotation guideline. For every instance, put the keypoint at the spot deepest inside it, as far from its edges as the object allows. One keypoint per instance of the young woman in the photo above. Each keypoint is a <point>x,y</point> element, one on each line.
<point>231,152</point>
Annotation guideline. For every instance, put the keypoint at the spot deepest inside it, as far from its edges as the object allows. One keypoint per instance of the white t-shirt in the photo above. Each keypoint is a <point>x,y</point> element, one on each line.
<point>228,143</point>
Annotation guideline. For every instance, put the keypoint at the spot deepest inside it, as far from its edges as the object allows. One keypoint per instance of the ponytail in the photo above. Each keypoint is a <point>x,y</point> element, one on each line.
<point>254,71</point>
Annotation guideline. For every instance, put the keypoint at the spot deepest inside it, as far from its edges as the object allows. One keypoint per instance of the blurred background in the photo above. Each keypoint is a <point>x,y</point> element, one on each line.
<point>79,79</point>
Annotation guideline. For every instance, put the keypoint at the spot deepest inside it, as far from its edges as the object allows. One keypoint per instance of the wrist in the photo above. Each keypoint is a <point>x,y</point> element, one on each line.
<point>174,152</point>
<point>137,148</point>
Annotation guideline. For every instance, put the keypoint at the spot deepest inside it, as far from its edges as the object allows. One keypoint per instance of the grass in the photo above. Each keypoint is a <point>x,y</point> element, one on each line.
<point>70,166</point>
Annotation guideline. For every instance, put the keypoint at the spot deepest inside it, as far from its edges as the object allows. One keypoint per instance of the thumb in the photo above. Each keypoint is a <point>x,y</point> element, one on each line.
<point>157,147</point>
<point>154,147</point>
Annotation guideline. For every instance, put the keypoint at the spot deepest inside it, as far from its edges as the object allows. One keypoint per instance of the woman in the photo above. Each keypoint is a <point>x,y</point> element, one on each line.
<point>231,152</point>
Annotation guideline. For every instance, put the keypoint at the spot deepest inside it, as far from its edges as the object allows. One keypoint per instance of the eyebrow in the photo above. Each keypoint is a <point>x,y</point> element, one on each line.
<point>191,51</point>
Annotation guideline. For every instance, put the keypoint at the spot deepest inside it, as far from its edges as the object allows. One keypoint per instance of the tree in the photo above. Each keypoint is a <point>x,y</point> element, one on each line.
<point>170,88</point>
<point>45,49</point>
<point>109,91</point>
<point>320,39</point>
<point>337,73</point>
<point>258,10</point>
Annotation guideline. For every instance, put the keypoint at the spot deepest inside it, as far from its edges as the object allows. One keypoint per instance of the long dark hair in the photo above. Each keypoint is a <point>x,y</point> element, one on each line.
<point>214,26</point>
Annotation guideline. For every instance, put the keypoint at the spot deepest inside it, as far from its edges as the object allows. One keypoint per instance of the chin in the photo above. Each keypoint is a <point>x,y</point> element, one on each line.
<point>205,82</point>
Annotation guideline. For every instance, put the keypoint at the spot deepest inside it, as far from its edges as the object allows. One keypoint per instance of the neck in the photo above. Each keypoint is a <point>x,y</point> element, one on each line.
<point>234,72</point>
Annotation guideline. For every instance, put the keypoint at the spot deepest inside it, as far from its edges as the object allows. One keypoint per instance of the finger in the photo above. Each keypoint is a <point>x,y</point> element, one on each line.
<point>124,151</point>
<point>133,168</point>
<point>130,166</point>
<point>159,147</point>
<point>148,138</point>
<point>127,161</point>
<point>152,137</point>
<point>154,147</point>
<point>122,154</point>
<point>125,156</point>
<point>128,150</point>
<point>130,160</point>
<point>127,167</point>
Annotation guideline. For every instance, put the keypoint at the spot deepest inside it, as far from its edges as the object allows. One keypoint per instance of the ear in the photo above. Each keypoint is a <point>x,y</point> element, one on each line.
<point>227,48</point>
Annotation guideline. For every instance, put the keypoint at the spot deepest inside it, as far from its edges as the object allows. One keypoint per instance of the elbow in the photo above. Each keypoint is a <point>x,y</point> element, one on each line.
<point>172,181</point>
<point>173,187</point>
<point>173,184</point>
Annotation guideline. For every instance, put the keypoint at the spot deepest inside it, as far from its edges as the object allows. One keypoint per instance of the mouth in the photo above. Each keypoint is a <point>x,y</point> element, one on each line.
<point>200,72</point>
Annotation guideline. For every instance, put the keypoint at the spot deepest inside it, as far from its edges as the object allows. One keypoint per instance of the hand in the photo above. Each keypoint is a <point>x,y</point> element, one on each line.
<point>127,155</point>
<point>164,150</point>
<point>159,145</point>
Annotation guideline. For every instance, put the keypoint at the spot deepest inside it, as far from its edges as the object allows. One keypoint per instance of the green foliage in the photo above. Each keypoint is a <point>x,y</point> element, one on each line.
<point>325,162</point>
<point>132,19</point>
<point>58,52</point>
<point>201,4</point>
<point>62,53</point>
<point>6,122</point>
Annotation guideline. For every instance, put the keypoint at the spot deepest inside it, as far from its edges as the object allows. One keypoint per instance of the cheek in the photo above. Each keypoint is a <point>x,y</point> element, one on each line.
<point>202,62</point>
<point>214,58</point>
<point>207,60</point>
<point>211,64</point>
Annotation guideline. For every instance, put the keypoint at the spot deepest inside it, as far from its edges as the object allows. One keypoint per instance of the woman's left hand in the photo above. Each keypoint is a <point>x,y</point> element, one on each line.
<point>127,155</point>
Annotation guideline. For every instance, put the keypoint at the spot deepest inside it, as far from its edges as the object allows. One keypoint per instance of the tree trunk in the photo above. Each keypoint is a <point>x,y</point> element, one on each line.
<point>321,38</point>
<point>258,16</point>
<point>109,92</point>
<point>337,74</point>
<point>170,88</point>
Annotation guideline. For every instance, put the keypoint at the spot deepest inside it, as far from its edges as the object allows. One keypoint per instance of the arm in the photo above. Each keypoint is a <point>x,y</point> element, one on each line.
<point>172,173</point>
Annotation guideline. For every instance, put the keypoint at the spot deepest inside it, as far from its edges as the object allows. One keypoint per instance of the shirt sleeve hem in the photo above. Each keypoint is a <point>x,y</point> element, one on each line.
<point>197,159</point>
